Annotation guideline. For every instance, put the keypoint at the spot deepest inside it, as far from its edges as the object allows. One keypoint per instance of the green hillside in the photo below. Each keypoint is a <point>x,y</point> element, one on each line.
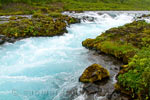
<point>31,6</point>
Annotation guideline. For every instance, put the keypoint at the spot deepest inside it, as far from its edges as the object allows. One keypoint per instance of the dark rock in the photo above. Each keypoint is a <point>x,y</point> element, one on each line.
<point>91,19</point>
<point>70,94</point>
<point>2,41</point>
<point>11,40</point>
<point>100,13</point>
<point>116,95</point>
<point>79,11</point>
<point>78,20</point>
<point>116,68</point>
<point>91,88</point>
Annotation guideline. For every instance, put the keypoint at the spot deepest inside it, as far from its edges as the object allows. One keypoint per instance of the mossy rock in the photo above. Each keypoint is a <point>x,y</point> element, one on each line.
<point>13,18</point>
<point>38,15</point>
<point>94,73</point>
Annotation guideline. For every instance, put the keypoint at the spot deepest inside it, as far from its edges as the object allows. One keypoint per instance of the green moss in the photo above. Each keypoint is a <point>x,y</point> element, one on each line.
<point>55,14</point>
<point>20,17</point>
<point>38,15</point>
<point>94,73</point>
<point>122,42</point>
<point>137,78</point>
<point>38,25</point>
<point>122,51</point>
<point>44,9</point>
<point>13,18</point>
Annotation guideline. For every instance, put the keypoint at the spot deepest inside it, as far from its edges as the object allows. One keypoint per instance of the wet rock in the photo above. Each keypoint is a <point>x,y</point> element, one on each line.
<point>116,68</point>
<point>72,93</point>
<point>91,88</point>
<point>94,73</point>
<point>113,96</point>
<point>100,13</point>
<point>77,20</point>
<point>2,41</point>
<point>116,95</point>
<point>79,11</point>
<point>91,19</point>
<point>2,36</point>
<point>10,40</point>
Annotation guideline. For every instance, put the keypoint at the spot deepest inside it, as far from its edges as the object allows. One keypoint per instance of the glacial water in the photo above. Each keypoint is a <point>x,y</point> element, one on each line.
<point>48,68</point>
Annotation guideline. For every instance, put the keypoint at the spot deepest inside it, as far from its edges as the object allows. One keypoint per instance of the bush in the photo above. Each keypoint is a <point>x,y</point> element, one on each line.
<point>137,79</point>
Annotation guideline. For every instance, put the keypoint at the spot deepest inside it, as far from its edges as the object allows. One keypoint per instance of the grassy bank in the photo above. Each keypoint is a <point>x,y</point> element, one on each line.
<point>9,7</point>
<point>39,25</point>
<point>130,43</point>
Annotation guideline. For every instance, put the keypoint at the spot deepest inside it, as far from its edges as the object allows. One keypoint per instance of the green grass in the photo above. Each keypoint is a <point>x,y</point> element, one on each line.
<point>137,79</point>
<point>8,7</point>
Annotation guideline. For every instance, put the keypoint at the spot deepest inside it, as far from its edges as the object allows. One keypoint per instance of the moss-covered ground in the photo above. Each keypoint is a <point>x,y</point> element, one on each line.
<point>130,43</point>
<point>39,25</point>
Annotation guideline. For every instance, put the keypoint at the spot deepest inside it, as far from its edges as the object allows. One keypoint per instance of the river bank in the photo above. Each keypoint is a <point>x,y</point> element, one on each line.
<point>39,25</point>
<point>129,43</point>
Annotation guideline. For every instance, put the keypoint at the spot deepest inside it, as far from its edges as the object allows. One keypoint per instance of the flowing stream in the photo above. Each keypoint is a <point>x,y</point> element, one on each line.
<point>48,68</point>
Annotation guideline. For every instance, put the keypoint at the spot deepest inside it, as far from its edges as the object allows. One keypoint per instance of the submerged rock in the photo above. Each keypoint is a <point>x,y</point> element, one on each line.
<point>91,88</point>
<point>116,95</point>
<point>94,73</point>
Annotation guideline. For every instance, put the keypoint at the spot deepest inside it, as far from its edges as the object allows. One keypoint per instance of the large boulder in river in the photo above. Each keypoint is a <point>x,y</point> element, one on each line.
<point>94,73</point>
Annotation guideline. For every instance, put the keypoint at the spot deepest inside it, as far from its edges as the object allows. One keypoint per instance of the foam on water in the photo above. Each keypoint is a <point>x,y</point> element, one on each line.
<point>48,68</point>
